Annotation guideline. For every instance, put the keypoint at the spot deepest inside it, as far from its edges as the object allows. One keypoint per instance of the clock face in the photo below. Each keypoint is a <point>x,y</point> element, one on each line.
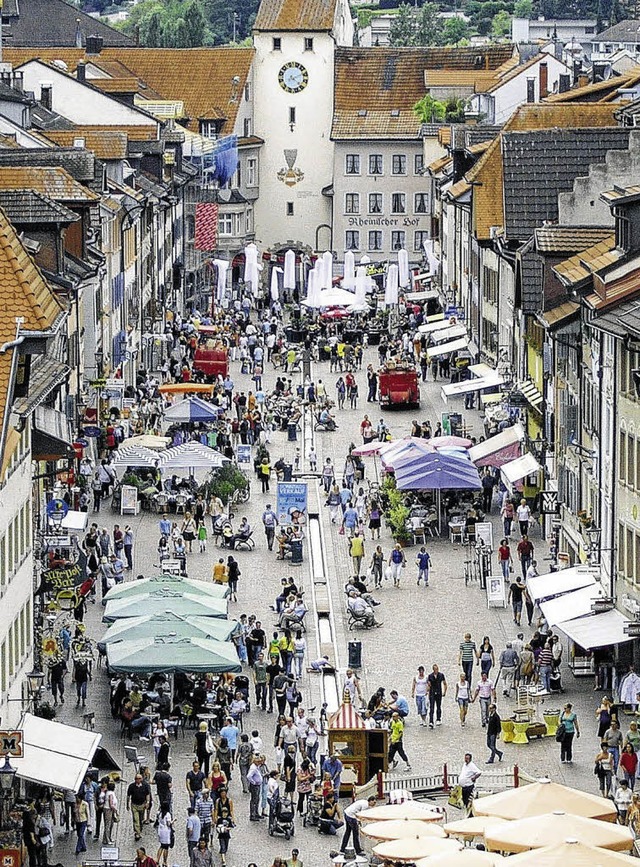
<point>293,77</point>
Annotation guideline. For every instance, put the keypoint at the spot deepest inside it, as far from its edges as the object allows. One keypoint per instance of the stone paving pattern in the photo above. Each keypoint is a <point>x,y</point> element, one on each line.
<point>421,626</point>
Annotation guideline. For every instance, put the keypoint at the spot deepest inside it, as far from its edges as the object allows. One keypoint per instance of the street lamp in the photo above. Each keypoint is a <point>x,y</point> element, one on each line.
<point>7,773</point>
<point>35,679</point>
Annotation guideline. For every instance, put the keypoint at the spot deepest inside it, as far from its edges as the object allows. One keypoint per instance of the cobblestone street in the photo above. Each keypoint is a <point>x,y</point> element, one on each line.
<point>421,626</point>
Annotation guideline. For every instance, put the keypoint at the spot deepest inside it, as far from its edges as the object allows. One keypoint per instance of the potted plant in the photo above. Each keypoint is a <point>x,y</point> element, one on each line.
<point>396,513</point>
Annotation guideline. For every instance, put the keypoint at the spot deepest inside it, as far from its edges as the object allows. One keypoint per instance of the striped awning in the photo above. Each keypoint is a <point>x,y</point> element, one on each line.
<point>346,717</point>
<point>531,393</point>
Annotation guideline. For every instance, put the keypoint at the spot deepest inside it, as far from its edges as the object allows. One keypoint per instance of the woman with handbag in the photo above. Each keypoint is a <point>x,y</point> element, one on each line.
<point>567,728</point>
<point>166,835</point>
<point>223,820</point>
<point>604,769</point>
<point>203,747</point>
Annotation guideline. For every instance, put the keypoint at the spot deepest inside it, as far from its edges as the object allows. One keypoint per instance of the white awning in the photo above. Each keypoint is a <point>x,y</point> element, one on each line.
<point>435,323</point>
<point>510,436</point>
<point>531,392</point>
<point>476,383</point>
<point>446,348</point>
<point>451,333</point>
<point>55,755</point>
<point>424,295</point>
<point>571,605</point>
<point>518,469</point>
<point>72,521</point>
<point>564,581</point>
<point>598,630</point>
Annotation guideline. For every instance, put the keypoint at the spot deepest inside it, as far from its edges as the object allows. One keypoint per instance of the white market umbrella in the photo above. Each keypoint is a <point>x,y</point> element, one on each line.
<point>432,259</point>
<point>327,269</point>
<point>403,268</point>
<point>312,300</point>
<point>134,456</point>
<point>147,441</point>
<point>399,829</point>
<point>191,455</point>
<point>336,297</point>
<point>361,286</point>
<point>554,828</point>
<point>349,270</point>
<point>405,810</point>
<point>465,858</point>
<point>391,286</point>
<point>413,848</point>
<point>289,281</point>
<point>275,291</point>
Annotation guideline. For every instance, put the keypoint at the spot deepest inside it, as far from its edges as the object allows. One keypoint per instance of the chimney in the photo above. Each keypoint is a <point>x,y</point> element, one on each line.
<point>544,80</point>
<point>577,69</point>
<point>81,71</point>
<point>531,90</point>
<point>564,82</point>
<point>94,44</point>
<point>46,94</point>
<point>18,81</point>
<point>583,80</point>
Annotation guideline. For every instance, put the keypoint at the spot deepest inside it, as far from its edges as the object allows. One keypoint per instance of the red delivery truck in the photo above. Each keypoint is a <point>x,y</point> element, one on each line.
<point>398,385</point>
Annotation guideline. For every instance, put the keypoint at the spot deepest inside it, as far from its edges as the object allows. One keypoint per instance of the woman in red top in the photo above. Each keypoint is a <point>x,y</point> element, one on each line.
<point>629,764</point>
<point>504,557</point>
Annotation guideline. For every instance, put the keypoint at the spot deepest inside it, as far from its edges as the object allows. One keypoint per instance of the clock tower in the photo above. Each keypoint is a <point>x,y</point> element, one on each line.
<point>293,75</point>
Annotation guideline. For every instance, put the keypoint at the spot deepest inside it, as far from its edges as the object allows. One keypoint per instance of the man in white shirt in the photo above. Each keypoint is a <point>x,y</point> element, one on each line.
<point>467,777</point>
<point>351,820</point>
<point>524,514</point>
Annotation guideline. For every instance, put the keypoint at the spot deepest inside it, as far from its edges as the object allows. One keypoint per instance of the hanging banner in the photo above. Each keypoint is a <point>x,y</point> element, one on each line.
<point>291,503</point>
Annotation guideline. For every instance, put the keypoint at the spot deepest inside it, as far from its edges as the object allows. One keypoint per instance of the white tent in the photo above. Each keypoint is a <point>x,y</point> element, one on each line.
<point>191,455</point>
<point>450,333</point>
<point>55,755</point>
<point>334,297</point>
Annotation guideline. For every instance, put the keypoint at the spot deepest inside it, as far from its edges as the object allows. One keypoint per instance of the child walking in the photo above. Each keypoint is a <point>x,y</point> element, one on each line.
<point>202,538</point>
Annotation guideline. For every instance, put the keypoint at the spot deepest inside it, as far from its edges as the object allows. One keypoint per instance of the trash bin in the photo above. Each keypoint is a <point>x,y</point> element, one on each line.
<point>287,472</point>
<point>296,552</point>
<point>355,654</point>
<point>292,431</point>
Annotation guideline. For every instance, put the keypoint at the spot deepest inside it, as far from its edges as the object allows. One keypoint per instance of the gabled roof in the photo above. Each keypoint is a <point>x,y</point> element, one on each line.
<point>30,206</point>
<point>510,73</point>
<point>600,91</point>
<point>623,31</point>
<point>201,77</point>
<point>488,210</point>
<point>285,15</point>
<point>25,293</point>
<point>54,22</point>
<point>375,125</point>
<point>52,181</point>
<point>581,266</point>
<point>105,144</point>
<point>529,198</point>
<point>569,239</point>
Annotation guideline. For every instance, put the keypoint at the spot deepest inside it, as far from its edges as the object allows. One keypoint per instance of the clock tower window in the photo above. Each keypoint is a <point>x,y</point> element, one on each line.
<point>292,115</point>
<point>277,43</point>
<point>308,43</point>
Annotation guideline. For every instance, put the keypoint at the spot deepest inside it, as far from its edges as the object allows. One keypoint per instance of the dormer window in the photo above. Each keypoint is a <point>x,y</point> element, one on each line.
<point>210,128</point>
<point>623,230</point>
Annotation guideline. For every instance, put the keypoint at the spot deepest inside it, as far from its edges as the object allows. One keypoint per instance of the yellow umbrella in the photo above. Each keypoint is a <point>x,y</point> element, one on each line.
<point>473,826</point>
<point>571,854</point>
<point>552,828</point>
<point>398,829</point>
<point>406,810</point>
<point>413,848</point>
<point>465,858</point>
<point>543,797</point>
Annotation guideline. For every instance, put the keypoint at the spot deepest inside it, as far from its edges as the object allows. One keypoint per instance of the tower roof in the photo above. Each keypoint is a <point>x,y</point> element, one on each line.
<point>310,15</point>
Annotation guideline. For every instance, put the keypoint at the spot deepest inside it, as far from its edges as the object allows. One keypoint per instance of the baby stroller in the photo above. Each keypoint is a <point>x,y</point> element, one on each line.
<point>314,808</point>
<point>241,684</point>
<point>281,819</point>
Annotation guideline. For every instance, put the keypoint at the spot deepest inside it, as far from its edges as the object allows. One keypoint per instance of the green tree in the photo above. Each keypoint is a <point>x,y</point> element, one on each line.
<point>151,35</point>
<point>523,9</point>
<point>454,31</point>
<point>429,26</point>
<point>402,27</point>
<point>430,110</point>
<point>195,25</point>
<point>501,25</point>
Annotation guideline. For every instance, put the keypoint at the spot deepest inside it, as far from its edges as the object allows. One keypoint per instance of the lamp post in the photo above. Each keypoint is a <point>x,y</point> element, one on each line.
<point>7,774</point>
